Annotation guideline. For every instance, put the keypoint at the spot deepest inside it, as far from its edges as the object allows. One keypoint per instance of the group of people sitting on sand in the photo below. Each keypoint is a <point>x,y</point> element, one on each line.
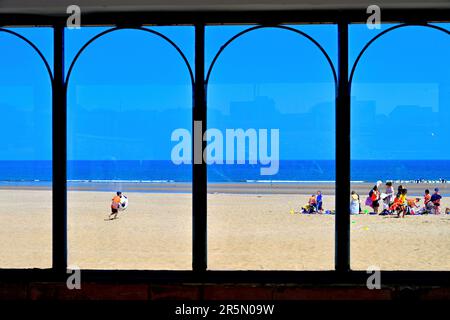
<point>397,203</point>
<point>315,204</point>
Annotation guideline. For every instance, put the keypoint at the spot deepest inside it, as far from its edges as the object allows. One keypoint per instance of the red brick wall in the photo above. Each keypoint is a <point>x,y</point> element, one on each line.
<point>105,291</point>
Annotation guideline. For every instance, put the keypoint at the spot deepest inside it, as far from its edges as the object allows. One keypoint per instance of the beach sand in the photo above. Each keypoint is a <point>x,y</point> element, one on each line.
<point>245,232</point>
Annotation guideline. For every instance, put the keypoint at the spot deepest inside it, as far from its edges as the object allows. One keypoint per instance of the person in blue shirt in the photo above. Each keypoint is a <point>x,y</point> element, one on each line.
<point>319,201</point>
<point>436,200</point>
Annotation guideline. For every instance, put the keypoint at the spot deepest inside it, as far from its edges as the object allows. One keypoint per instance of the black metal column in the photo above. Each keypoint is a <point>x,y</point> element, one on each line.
<point>342,225</point>
<point>59,127</point>
<point>199,183</point>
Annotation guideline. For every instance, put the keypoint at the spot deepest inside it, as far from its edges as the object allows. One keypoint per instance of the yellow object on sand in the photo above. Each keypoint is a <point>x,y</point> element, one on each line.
<point>292,211</point>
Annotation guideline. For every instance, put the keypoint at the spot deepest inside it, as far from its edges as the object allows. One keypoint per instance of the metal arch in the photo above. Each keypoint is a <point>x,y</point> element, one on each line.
<point>31,44</point>
<point>352,73</point>
<point>278,27</point>
<point>191,74</point>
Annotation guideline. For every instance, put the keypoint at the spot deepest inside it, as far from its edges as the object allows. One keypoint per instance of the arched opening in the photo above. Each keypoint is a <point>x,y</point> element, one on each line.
<point>128,92</point>
<point>26,153</point>
<point>400,98</point>
<point>276,85</point>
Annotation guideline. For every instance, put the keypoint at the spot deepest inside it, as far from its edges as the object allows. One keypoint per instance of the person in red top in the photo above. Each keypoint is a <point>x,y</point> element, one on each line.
<point>375,197</point>
<point>426,197</point>
<point>428,205</point>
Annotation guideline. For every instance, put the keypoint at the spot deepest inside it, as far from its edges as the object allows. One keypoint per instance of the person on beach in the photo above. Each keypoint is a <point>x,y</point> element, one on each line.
<point>390,194</point>
<point>411,206</point>
<point>374,195</point>
<point>427,204</point>
<point>311,206</point>
<point>402,201</point>
<point>436,200</point>
<point>355,205</point>
<point>399,201</point>
<point>319,202</point>
<point>388,198</point>
<point>426,197</point>
<point>115,204</point>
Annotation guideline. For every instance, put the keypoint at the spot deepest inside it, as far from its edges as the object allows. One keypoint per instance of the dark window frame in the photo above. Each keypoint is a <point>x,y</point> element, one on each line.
<point>199,274</point>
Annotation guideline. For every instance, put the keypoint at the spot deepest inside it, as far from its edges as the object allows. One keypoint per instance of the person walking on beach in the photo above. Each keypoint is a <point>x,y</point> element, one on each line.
<point>115,204</point>
<point>436,200</point>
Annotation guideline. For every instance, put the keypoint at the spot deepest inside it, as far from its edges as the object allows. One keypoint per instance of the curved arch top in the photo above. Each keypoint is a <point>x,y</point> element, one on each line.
<point>358,58</point>
<point>35,48</point>
<point>101,34</point>
<point>307,36</point>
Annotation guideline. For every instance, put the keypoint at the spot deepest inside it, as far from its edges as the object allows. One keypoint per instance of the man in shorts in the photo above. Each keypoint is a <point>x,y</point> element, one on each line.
<point>115,206</point>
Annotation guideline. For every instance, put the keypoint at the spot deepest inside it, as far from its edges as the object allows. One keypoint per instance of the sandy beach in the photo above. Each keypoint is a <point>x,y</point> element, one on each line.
<point>256,231</point>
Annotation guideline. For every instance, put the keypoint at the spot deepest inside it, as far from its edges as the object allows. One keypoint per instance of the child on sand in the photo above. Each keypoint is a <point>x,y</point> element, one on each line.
<point>311,206</point>
<point>427,204</point>
<point>115,203</point>
<point>402,201</point>
<point>412,205</point>
<point>319,201</point>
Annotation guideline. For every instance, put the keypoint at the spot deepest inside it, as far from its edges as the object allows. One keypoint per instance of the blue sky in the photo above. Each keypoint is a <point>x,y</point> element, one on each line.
<point>129,90</point>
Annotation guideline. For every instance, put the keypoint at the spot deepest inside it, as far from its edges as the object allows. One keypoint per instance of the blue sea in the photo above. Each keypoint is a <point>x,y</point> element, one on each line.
<point>166,171</point>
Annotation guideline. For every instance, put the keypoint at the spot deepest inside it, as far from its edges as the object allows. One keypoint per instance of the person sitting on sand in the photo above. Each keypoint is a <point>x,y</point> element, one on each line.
<point>115,206</point>
<point>427,204</point>
<point>319,201</point>
<point>355,205</point>
<point>436,200</point>
<point>412,205</point>
<point>311,206</point>
<point>426,197</point>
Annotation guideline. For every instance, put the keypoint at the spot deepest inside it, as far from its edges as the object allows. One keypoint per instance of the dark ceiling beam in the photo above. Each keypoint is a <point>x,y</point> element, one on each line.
<point>227,17</point>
